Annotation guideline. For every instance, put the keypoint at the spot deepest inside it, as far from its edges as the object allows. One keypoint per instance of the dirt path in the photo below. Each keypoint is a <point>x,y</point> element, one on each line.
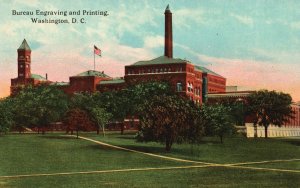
<point>204,164</point>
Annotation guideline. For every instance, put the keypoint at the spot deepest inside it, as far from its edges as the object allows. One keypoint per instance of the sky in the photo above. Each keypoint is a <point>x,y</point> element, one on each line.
<point>254,44</point>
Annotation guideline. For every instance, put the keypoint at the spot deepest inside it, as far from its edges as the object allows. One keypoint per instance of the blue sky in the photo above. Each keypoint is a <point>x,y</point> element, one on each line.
<point>254,44</point>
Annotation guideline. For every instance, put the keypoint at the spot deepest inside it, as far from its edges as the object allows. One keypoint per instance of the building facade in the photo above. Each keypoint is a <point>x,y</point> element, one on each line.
<point>186,78</point>
<point>197,83</point>
<point>25,77</point>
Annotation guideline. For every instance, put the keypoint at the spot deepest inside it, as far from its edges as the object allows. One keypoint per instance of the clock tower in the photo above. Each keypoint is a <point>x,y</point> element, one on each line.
<point>24,61</point>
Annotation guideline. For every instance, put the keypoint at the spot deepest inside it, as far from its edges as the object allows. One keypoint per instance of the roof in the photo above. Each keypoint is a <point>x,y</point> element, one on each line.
<point>93,73</point>
<point>205,70</point>
<point>24,46</point>
<point>168,9</point>
<point>229,94</point>
<point>38,77</point>
<point>114,81</point>
<point>160,60</point>
<point>60,83</point>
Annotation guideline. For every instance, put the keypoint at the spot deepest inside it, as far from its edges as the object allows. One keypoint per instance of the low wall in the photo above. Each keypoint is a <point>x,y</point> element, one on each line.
<point>273,131</point>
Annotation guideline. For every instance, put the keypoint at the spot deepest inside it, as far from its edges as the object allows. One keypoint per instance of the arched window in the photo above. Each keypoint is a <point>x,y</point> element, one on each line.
<point>179,86</point>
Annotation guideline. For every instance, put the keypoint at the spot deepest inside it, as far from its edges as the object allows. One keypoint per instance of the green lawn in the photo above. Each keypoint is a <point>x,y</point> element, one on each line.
<point>233,150</point>
<point>51,153</point>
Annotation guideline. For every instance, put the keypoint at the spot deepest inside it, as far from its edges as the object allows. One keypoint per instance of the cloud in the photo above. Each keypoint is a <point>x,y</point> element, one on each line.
<point>243,19</point>
<point>182,15</point>
<point>295,25</point>
<point>154,41</point>
<point>281,72</point>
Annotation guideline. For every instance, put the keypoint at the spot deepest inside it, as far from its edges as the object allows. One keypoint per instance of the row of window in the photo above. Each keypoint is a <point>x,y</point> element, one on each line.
<point>155,70</point>
<point>21,74</point>
<point>21,66</point>
<point>22,57</point>
<point>190,70</point>
<point>197,90</point>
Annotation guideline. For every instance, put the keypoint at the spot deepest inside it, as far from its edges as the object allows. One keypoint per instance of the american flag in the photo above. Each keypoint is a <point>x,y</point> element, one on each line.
<point>97,51</point>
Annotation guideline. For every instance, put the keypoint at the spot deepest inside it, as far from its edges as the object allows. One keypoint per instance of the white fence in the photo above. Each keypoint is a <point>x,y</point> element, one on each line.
<point>273,131</point>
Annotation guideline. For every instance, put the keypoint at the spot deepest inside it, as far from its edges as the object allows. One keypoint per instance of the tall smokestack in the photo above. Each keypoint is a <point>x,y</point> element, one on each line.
<point>168,33</point>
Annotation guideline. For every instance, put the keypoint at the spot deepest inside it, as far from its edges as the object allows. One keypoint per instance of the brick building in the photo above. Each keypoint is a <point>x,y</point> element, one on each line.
<point>196,82</point>
<point>185,77</point>
<point>25,77</point>
<point>289,128</point>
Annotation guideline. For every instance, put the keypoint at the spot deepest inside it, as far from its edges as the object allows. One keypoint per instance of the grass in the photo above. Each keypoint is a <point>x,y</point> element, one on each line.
<point>30,154</point>
<point>233,150</point>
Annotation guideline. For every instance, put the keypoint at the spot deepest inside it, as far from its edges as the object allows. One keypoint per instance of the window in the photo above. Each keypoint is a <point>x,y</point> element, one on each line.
<point>169,70</point>
<point>190,87</point>
<point>20,74</point>
<point>21,66</point>
<point>179,86</point>
<point>165,69</point>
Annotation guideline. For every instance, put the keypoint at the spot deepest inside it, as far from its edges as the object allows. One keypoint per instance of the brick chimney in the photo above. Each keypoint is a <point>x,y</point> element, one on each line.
<point>168,33</point>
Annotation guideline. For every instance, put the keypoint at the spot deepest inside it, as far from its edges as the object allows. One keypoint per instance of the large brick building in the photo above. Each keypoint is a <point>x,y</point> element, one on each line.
<point>185,77</point>
<point>196,82</point>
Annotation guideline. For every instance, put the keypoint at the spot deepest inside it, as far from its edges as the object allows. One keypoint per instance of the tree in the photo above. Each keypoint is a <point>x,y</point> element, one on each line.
<point>39,106</point>
<point>219,121</point>
<point>270,107</point>
<point>78,120</point>
<point>117,104</point>
<point>164,119</point>
<point>195,125</point>
<point>101,117</point>
<point>6,114</point>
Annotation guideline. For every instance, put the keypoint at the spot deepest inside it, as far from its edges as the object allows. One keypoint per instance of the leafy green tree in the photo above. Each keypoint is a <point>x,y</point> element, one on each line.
<point>39,106</point>
<point>6,114</point>
<point>101,117</point>
<point>115,103</point>
<point>84,101</point>
<point>219,121</point>
<point>164,119</point>
<point>270,107</point>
